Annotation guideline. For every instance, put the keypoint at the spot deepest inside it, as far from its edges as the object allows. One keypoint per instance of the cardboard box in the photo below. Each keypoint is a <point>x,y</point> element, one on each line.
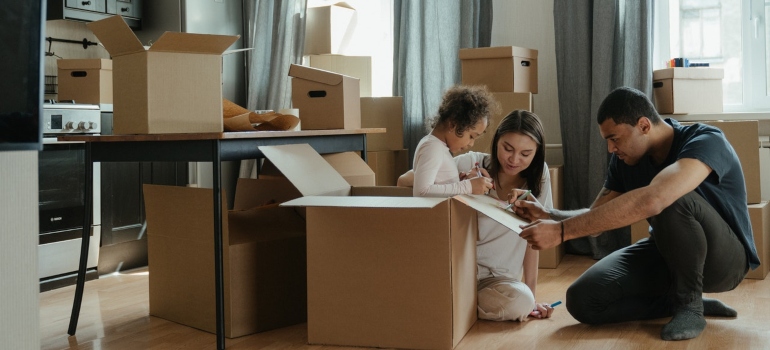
<point>349,165</point>
<point>501,69</point>
<point>85,80</point>
<point>743,135</point>
<point>639,230</point>
<point>688,90</point>
<point>175,86</point>
<point>264,260</point>
<point>551,257</point>
<point>509,101</point>
<point>325,100</point>
<point>760,224</point>
<point>353,66</point>
<point>385,271</point>
<point>388,165</point>
<point>328,29</point>
<point>383,112</point>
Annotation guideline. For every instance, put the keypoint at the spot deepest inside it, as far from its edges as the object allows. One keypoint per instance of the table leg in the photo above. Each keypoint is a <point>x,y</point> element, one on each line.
<point>218,256</point>
<point>88,203</point>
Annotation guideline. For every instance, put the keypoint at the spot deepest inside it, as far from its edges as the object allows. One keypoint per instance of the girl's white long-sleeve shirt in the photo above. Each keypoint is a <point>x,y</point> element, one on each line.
<point>435,171</point>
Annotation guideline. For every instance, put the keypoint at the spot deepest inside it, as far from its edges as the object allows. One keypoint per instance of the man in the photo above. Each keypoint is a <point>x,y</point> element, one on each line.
<point>687,182</point>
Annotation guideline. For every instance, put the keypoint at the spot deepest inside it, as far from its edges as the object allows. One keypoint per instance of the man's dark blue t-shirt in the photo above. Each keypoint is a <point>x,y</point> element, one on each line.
<point>724,188</point>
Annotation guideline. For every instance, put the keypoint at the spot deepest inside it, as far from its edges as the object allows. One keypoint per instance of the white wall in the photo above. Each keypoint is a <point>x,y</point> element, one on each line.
<point>529,24</point>
<point>19,290</point>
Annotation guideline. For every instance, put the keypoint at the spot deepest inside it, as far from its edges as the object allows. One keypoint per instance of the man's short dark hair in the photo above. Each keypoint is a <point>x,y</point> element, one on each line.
<point>626,105</point>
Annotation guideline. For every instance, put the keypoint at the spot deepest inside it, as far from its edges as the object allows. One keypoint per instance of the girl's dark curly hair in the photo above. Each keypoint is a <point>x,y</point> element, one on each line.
<point>463,106</point>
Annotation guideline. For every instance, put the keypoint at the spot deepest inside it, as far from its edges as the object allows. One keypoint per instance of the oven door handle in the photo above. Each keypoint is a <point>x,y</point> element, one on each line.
<point>55,141</point>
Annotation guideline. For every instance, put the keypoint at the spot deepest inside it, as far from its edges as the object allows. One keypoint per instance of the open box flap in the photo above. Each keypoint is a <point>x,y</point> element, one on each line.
<point>193,43</point>
<point>307,170</point>
<point>116,36</point>
<point>365,202</point>
<point>492,207</point>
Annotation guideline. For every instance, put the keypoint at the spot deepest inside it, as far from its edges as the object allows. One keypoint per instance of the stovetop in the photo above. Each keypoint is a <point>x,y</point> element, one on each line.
<point>64,118</point>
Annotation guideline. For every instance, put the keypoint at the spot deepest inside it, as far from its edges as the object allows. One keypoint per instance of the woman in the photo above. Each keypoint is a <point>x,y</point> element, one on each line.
<point>517,162</point>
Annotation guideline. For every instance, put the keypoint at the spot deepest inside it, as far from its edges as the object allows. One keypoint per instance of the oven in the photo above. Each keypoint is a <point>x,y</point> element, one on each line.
<point>61,193</point>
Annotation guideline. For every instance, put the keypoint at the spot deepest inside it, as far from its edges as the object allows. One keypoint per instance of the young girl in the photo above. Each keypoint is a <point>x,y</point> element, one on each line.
<point>506,265</point>
<point>462,117</point>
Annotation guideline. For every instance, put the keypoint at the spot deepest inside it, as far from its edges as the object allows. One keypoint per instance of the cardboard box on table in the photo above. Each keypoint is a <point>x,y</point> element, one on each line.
<point>383,112</point>
<point>326,100</point>
<point>551,257</point>
<point>509,101</point>
<point>264,257</point>
<point>85,80</point>
<point>328,29</point>
<point>688,90</point>
<point>175,86</point>
<point>388,165</point>
<point>385,271</point>
<point>353,66</point>
<point>501,68</point>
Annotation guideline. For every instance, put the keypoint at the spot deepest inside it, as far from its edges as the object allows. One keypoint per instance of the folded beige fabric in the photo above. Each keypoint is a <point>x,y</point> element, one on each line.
<point>237,118</point>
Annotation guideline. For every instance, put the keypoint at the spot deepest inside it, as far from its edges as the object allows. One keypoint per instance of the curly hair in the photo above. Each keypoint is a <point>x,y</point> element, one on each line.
<point>463,106</point>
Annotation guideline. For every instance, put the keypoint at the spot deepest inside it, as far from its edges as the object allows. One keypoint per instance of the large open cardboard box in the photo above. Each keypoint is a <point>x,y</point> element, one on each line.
<point>509,101</point>
<point>85,80</point>
<point>385,271</point>
<point>501,68</point>
<point>326,100</point>
<point>264,257</point>
<point>175,86</point>
<point>688,90</point>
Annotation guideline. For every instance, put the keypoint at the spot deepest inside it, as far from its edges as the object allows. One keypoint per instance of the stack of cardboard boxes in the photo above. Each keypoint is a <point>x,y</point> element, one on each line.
<point>755,161</point>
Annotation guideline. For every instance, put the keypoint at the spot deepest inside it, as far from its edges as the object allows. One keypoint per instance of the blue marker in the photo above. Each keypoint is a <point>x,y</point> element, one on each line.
<point>556,304</point>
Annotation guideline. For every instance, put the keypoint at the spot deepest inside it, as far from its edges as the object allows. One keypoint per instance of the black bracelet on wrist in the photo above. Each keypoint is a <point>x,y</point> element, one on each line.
<point>562,231</point>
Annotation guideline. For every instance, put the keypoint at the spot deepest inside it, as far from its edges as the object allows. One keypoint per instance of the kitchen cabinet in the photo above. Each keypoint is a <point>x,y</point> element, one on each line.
<point>94,10</point>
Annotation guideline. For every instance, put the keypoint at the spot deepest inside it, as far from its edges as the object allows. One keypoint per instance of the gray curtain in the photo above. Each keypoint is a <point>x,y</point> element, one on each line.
<point>428,35</point>
<point>275,29</point>
<point>600,45</point>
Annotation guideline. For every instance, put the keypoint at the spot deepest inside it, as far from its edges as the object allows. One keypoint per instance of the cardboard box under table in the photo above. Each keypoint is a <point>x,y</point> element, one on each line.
<point>501,68</point>
<point>388,165</point>
<point>264,258</point>
<point>383,112</point>
<point>385,271</point>
<point>326,100</point>
<point>175,86</point>
<point>85,80</point>
<point>688,90</point>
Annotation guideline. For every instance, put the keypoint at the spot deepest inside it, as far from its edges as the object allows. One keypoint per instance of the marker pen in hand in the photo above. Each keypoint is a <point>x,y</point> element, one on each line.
<point>521,198</point>
<point>478,169</point>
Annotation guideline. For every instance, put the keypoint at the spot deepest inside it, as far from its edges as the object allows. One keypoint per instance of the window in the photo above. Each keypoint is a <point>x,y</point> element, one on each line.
<point>727,34</point>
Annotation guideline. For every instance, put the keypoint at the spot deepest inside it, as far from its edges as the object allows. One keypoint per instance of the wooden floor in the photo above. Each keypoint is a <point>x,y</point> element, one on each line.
<point>115,316</point>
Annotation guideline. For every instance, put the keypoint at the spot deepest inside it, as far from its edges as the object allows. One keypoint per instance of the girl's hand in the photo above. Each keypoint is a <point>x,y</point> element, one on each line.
<point>481,185</point>
<point>542,310</point>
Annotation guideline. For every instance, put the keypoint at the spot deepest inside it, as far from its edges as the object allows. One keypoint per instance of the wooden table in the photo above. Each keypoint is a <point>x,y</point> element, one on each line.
<point>201,147</point>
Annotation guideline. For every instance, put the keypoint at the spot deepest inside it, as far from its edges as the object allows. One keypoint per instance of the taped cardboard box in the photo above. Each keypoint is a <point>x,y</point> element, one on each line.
<point>501,68</point>
<point>264,259</point>
<point>688,90</point>
<point>326,100</point>
<point>353,66</point>
<point>760,225</point>
<point>551,257</point>
<point>328,29</point>
<point>86,81</point>
<point>385,271</point>
<point>388,165</point>
<point>383,112</point>
<point>509,101</point>
<point>175,86</point>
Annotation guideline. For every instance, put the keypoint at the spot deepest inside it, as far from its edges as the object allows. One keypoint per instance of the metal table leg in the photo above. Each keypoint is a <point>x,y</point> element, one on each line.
<point>218,256</point>
<point>88,203</point>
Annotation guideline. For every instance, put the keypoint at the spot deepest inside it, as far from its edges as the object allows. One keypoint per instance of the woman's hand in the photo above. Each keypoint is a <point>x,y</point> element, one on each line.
<point>529,209</point>
<point>542,310</point>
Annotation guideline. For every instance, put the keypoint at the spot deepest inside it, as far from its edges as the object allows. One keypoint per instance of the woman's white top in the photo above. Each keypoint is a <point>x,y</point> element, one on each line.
<point>435,171</point>
<point>500,251</point>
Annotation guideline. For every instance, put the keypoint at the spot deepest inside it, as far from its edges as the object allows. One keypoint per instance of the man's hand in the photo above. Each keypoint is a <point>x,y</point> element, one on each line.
<point>529,209</point>
<point>542,234</point>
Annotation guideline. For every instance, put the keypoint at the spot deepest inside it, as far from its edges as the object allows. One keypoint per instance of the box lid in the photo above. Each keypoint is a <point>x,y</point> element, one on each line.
<point>317,75</point>
<point>493,209</point>
<point>116,36</point>
<point>306,170</point>
<point>497,52</point>
<point>85,63</point>
<point>688,73</point>
<point>193,43</point>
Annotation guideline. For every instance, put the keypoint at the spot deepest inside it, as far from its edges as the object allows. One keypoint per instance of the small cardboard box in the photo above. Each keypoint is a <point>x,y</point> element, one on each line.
<point>388,165</point>
<point>85,80</point>
<point>328,29</point>
<point>264,259</point>
<point>326,100</point>
<point>385,271</point>
<point>509,101</point>
<point>175,86</point>
<point>353,66</point>
<point>760,224</point>
<point>551,257</point>
<point>383,112</point>
<point>501,68</point>
<point>688,90</point>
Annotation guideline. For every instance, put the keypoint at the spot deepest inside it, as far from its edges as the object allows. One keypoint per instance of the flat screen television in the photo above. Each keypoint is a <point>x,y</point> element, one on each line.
<point>21,74</point>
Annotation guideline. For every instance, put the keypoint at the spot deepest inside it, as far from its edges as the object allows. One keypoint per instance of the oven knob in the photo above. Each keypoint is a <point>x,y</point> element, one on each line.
<point>92,125</point>
<point>68,126</point>
<point>82,126</point>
